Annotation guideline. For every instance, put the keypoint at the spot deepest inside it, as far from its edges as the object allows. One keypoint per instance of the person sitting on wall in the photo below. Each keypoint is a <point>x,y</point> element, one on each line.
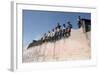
<point>79,21</point>
<point>55,33</point>
<point>33,42</point>
<point>64,31</point>
<point>48,36</point>
<point>68,30</point>
<point>58,31</point>
<point>43,38</point>
<point>52,35</point>
<point>55,30</point>
<point>39,42</point>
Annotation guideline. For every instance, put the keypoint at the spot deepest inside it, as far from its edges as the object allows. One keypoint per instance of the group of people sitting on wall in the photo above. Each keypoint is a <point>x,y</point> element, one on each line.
<point>59,32</point>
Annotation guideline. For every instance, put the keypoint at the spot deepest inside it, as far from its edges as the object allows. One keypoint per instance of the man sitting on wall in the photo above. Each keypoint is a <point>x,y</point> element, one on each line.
<point>48,36</point>
<point>64,31</point>
<point>58,31</point>
<point>52,35</point>
<point>68,30</point>
<point>79,22</point>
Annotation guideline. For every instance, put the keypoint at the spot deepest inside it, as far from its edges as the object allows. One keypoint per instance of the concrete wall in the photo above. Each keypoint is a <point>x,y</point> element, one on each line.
<point>76,47</point>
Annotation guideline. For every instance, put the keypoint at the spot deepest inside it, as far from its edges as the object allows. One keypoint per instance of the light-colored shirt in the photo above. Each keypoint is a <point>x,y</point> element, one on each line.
<point>48,34</point>
<point>58,29</point>
<point>52,33</point>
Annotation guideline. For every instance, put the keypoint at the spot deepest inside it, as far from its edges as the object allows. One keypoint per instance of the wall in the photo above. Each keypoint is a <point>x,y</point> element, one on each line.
<point>5,36</point>
<point>75,47</point>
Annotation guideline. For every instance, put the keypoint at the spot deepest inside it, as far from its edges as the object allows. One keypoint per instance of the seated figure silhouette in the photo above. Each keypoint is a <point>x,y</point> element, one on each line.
<point>64,31</point>
<point>79,22</point>
<point>56,34</point>
<point>58,30</point>
<point>68,30</point>
<point>53,35</point>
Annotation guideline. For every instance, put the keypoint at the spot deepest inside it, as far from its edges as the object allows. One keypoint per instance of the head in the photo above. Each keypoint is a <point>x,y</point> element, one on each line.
<point>68,22</point>
<point>48,31</point>
<point>64,25</point>
<point>58,24</point>
<point>52,29</point>
<point>55,28</point>
<point>78,18</point>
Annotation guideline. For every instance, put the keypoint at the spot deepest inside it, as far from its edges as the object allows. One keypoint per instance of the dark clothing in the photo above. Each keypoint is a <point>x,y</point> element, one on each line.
<point>79,24</point>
